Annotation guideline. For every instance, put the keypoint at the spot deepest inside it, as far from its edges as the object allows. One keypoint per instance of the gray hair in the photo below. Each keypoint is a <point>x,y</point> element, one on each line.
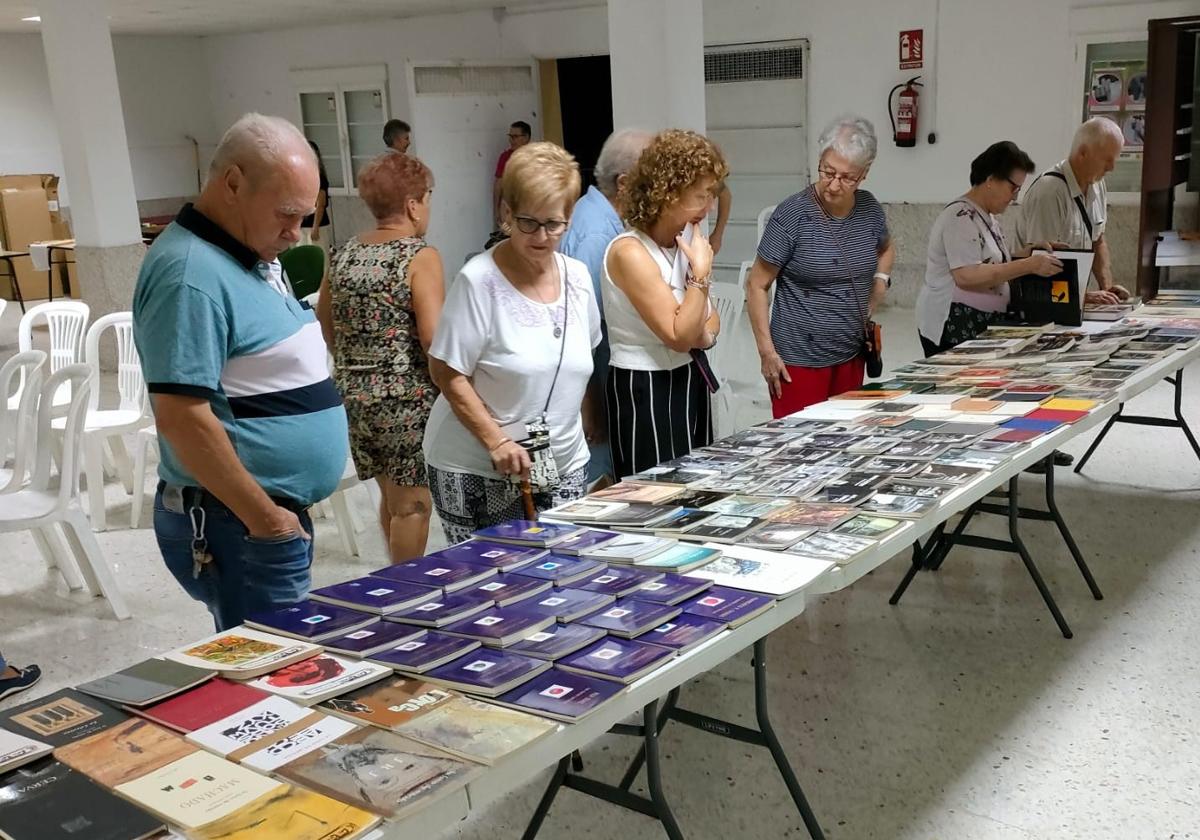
<point>617,157</point>
<point>257,144</point>
<point>851,137</point>
<point>1097,132</point>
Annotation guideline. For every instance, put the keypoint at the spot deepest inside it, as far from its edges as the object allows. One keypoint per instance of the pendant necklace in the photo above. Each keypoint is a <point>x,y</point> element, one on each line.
<point>550,308</point>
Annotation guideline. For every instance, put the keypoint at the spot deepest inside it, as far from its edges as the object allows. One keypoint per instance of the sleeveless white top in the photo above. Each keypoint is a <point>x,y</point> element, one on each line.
<point>632,344</point>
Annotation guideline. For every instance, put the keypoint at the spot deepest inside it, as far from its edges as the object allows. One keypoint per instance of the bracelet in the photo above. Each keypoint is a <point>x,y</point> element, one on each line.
<point>699,284</point>
<point>498,445</point>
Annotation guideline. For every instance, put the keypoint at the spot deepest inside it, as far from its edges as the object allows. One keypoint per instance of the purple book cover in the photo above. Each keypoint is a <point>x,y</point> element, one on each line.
<point>486,669</point>
<point>557,641</point>
<point>493,554</point>
<point>618,581</point>
<point>310,620</point>
<point>372,637</point>
<point>443,609</point>
<point>562,694</point>
<point>727,605</point>
<point>416,654</point>
<point>556,567</point>
<point>567,604</point>
<point>497,623</point>
<point>629,617</point>
<point>671,589</point>
<point>618,659</point>
<point>683,631</point>
<point>544,534</point>
<point>506,589</point>
<point>374,594</point>
<point>449,575</point>
<point>588,539</point>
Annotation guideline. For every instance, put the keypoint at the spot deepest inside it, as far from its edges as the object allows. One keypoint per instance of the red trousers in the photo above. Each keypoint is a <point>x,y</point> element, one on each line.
<point>810,386</point>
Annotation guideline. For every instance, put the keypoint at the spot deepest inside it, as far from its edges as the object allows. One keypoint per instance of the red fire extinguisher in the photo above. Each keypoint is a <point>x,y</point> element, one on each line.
<point>904,118</point>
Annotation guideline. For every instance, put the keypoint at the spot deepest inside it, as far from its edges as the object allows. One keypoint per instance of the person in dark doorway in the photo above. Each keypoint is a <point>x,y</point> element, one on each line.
<point>519,133</point>
<point>397,136</point>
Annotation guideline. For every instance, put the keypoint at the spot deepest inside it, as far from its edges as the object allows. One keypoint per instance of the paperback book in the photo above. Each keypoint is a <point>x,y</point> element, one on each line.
<point>440,572</point>
<point>508,589</point>
<point>426,652</point>
<point>562,695</point>
<point>723,528</point>
<point>872,527</point>
<point>776,537</point>
<point>124,752</point>
<point>899,507</point>
<point>500,556</point>
<point>671,589</point>
<point>564,570</point>
<point>374,595</point>
<point>683,632</point>
<point>16,750</point>
<point>624,491</point>
<point>628,548</point>
<point>833,547</point>
<point>620,660</point>
<point>149,681</point>
<point>768,572</point>
<point>487,672</point>
<point>557,641</point>
<point>525,532</point>
<point>325,675</point>
<point>681,558</point>
<point>294,813</point>
<point>310,621</point>
<point>585,539</point>
<point>567,604</point>
<point>61,718</point>
<point>619,581</point>
<point>823,516</point>
<point>630,617</point>
<point>233,737</point>
<point>444,609</point>
<point>203,705</point>
<point>372,639</point>
<point>731,607</point>
<point>499,626</point>
<point>243,653</point>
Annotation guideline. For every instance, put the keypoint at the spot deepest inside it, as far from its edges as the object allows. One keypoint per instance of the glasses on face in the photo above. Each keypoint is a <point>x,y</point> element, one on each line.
<point>516,136</point>
<point>530,225</point>
<point>841,177</point>
<point>1016,188</point>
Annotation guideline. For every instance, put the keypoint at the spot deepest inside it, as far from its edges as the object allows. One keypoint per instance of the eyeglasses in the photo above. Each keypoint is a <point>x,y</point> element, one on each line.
<point>1016,188</point>
<point>848,180</point>
<point>516,136</point>
<point>528,224</point>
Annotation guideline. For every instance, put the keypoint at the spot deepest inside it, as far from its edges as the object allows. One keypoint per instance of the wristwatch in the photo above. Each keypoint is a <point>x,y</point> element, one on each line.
<point>886,278</point>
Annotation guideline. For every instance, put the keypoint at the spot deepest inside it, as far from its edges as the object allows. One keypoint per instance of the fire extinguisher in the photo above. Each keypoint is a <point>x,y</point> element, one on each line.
<point>904,118</point>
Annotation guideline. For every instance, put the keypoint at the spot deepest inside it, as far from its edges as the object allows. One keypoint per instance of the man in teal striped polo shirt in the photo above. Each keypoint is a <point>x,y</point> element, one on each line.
<point>251,427</point>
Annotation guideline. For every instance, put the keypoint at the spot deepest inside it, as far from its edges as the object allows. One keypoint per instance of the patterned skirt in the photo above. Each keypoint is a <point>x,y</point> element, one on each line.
<point>387,413</point>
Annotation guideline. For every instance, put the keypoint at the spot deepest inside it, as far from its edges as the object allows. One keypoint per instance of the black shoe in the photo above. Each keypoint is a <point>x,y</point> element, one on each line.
<point>1061,459</point>
<point>26,678</point>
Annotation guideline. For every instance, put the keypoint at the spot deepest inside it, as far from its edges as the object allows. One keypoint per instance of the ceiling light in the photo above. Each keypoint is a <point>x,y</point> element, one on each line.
<point>34,19</point>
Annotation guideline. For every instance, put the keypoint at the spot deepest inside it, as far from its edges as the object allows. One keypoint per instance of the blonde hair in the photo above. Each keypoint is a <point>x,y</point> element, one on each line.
<point>673,162</point>
<point>540,173</point>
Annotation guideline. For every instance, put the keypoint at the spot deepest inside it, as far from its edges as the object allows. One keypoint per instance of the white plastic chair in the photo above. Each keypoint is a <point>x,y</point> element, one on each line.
<point>39,506</point>
<point>18,426</point>
<point>106,426</point>
<point>67,323</point>
<point>729,301</point>
<point>764,215</point>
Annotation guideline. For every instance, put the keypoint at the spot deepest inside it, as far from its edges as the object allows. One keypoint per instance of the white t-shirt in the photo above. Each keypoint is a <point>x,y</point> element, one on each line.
<point>505,343</point>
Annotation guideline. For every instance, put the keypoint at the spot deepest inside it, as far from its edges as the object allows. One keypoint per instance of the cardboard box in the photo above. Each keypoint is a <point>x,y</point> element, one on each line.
<point>29,212</point>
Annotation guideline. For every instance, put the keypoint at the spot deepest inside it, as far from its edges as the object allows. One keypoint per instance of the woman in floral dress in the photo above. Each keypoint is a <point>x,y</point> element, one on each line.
<point>379,307</point>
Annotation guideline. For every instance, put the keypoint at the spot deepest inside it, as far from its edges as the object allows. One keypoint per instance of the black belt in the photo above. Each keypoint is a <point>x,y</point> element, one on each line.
<point>199,497</point>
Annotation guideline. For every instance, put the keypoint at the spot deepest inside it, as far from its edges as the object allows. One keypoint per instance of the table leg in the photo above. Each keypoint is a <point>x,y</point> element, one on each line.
<point>635,766</point>
<point>1095,443</point>
<point>1052,506</point>
<point>1187,431</point>
<point>1014,533</point>
<point>918,558</point>
<point>654,774</point>
<point>543,808</point>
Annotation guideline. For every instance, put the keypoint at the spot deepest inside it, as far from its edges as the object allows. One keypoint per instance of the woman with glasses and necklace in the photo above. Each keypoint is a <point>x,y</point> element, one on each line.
<point>512,356</point>
<point>968,266</point>
<point>828,252</point>
<point>656,279</point>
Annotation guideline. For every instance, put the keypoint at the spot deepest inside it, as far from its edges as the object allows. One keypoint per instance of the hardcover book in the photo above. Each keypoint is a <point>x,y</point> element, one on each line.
<point>562,695</point>
<point>619,581</point>
<point>630,617</point>
<point>562,569</point>
<point>524,532</point>
<point>487,672</point>
<point>16,750</point>
<point>61,718</point>
<point>731,607</point>
<point>146,682</point>
<point>374,595</point>
<point>499,626</point>
<point>203,705</point>
<point>671,589</point>
<point>231,736</point>
<point>620,660</point>
<point>568,604</point>
<point>557,641</point>
<point>767,572</point>
<point>294,813</point>
<point>310,621</point>
<point>243,653</point>
<point>372,639</point>
<point>508,589</point>
<point>325,675</point>
<point>683,632</point>
<point>681,558</point>
<point>427,651</point>
<point>500,556</point>
<point>447,575</point>
<point>445,609</point>
<point>124,752</point>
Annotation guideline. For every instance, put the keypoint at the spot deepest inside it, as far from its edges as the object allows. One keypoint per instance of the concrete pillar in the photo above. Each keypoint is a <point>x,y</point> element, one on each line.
<point>657,55</point>
<point>91,131</point>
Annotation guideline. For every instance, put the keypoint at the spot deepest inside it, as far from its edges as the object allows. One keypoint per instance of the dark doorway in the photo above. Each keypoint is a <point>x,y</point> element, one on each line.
<point>585,94</point>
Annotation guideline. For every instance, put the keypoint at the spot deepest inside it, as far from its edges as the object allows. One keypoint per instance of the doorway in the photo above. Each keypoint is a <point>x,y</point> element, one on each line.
<point>577,107</point>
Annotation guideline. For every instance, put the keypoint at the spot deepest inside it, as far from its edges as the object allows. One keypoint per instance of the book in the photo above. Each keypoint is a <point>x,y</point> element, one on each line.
<point>124,752</point>
<point>823,516</point>
<point>642,517</point>
<point>630,617</point>
<point>731,607</point>
<point>230,737</point>
<point>747,506</point>
<point>499,626</point>
<point>372,639</point>
<point>61,718</point>
<point>919,450</point>
<point>619,581</point>
<point>628,548</point>
<point>47,800</point>
<point>16,750</point>
<point>867,526</point>
<point>884,465</point>
<point>899,507</point>
<point>585,510</point>
<point>850,489</point>
<point>243,653</point>
<point>587,538</point>
<point>722,528</point>
<point>942,474</point>
<point>680,558</point>
<point>424,653</point>
<point>374,595</point>
<point>500,556</point>
<point>1063,404</point>
<point>1025,424</point>
<point>557,641</point>
<point>388,704</point>
<point>146,682</point>
<point>768,572</point>
<point>567,604</point>
<point>508,589</point>
<point>777,537</point>
<point>444,609</point>
<point>684,517</point>
<point>980,459</point>
<point>203,705</point>
<point>310,621</point>
<point>833,547</point>
<point>325,675</point>
<point>447,575</point>
<point>294,813</point>
<point>625,491</point>
<point>564,570</point>
<point>1057,414</point>
<point>620,660</point>
<point>683,632</point>
<point>671,589</point>
<point>487,671</point>
<point>562,695</point>
<point>525,532</point>
<point>273,751</point>
<point>198,789</point>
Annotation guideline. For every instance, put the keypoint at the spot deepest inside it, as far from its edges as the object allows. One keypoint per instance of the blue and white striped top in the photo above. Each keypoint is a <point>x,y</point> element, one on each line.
<point>826,273</point>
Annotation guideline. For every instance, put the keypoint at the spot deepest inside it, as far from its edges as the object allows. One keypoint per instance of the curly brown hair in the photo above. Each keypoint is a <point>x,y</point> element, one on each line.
<point>673,162</point>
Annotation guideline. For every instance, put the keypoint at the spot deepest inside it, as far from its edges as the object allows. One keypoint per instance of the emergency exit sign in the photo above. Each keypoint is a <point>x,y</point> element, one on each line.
<point>912,49</point>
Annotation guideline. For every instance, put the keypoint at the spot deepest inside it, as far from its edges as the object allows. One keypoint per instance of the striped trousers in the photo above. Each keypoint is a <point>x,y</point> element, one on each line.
<point>655,415</point>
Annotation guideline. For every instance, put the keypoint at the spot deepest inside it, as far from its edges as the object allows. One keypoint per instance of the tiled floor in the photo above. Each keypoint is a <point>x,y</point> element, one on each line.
<point>959,715</point>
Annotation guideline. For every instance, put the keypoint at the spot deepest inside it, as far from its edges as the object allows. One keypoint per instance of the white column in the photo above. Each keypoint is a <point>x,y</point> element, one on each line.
<point>657,56</point>
<point>91,126</point>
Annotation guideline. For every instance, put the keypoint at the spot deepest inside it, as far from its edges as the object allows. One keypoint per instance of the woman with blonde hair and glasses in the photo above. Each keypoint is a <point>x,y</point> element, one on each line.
<point>656,280</point>
<point>512,356</point>
<point>830,250</point>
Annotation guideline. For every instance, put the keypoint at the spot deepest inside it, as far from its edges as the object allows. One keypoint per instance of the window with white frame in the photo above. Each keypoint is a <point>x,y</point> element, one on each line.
<point>343,110</point>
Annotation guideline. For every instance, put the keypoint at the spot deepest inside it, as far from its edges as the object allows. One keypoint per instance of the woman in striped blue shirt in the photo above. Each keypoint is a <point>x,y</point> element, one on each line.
<point>830,250</point>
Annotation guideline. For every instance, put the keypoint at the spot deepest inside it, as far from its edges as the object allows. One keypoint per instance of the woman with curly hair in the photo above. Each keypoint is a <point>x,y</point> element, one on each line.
<point>656,279</point>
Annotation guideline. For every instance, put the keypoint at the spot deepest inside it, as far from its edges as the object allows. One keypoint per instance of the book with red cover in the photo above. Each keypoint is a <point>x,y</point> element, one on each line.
<point>201,706</point>
<point>1060,414</point>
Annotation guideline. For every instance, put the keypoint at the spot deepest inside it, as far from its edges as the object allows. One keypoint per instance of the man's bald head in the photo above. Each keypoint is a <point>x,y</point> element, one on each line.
<point>261,146</point>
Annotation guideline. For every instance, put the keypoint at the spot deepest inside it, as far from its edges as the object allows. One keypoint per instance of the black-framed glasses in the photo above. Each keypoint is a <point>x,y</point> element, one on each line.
<point>1016,188</point>
<point>528,224</point>
<point>848,180</point>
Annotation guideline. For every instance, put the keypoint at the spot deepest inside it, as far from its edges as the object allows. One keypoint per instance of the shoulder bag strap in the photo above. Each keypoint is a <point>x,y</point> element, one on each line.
<point>1087,220</point>
<point>562,347</point>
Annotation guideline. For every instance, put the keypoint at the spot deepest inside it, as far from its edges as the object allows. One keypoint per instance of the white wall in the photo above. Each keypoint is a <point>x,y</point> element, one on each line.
<point>29,139</point>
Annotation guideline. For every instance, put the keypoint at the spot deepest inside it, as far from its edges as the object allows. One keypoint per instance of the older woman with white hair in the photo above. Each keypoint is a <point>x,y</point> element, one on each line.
<point>830,250</point>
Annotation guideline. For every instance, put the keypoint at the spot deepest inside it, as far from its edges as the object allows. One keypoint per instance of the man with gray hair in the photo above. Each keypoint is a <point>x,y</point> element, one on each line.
<point>251,427</point>
<point>595,222</point>
<point>1068,203</point>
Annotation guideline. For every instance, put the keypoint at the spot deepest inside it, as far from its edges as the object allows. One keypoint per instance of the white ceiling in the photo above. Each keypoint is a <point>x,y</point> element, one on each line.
<point>209,17</point>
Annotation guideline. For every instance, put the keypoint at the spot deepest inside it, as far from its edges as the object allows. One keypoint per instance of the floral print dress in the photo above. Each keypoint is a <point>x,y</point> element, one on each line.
<point>379,365</point>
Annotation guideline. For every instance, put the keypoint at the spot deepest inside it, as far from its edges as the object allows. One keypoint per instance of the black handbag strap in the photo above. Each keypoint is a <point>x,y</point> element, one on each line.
<point>1087,220</point>
<point>562,347</point>
<point>997,236</point>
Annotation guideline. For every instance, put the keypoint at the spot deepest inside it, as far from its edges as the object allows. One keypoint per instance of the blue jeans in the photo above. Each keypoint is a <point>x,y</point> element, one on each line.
<point>247,574</point>
<point>3,664</point>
